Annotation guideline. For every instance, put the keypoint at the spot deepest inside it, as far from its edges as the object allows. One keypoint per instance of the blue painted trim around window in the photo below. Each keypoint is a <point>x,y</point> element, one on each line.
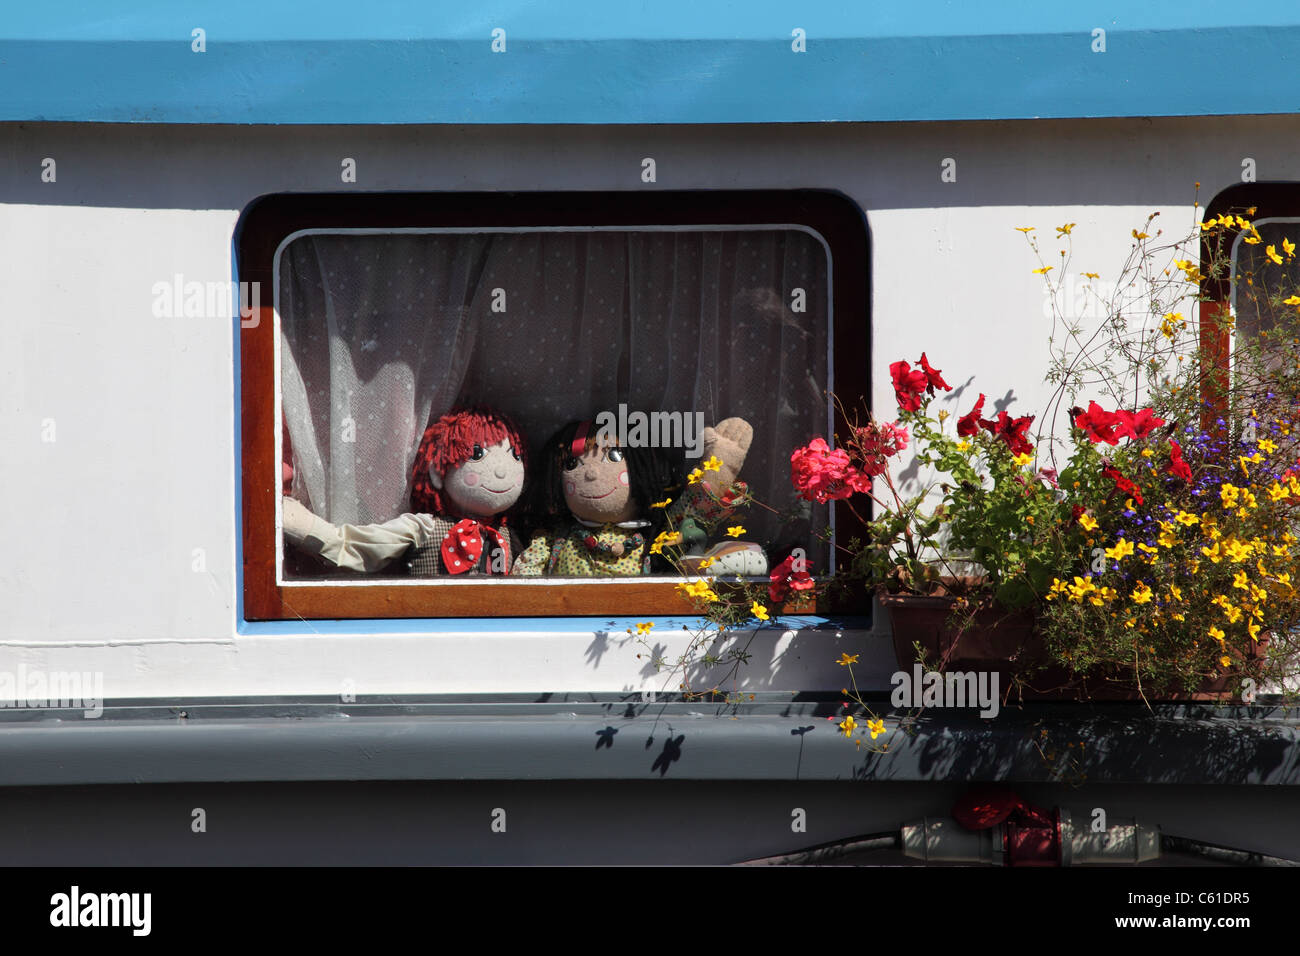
<point>676,61</point>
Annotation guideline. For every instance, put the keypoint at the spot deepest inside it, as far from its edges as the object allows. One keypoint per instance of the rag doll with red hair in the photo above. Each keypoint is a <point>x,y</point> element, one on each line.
<point>468,471</point>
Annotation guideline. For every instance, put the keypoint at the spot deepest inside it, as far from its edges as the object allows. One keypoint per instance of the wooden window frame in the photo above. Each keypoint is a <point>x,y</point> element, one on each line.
<point>269,220</point>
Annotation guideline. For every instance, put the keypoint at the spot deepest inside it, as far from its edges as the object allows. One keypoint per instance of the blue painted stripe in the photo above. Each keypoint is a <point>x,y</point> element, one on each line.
<point>587,62</point>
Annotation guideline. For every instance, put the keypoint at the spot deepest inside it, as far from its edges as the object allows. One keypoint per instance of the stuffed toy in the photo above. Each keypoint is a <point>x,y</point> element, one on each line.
<point>468,471</point>
<point>605,505</point>
<point>593,500</point>
<point>712,500</point>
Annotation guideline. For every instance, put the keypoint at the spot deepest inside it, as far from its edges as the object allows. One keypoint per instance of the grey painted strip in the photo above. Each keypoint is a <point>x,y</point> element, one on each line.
<point>625,740</point>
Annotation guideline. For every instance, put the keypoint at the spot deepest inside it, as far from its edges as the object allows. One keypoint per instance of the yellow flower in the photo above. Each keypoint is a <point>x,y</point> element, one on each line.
<point>695,476</point>
<point>1225,660</point>
<point>713,464</point>
<point>847,659</point>
<point>1043,271</point>
<point>706,564</point>
<point>877,727</point>
<point>1087,522</point>
<point>1140,235</point>
<point>1278,491</point>
<point>1025,229</point>
<point>1239,580</point>
<point>1175,592</point>
<point>1236,550</point>
<point>644,627</point>
<point>1065,230</point>
<point>963,446</point>
<point>1166,538</point>
<point>661,504</point>
<point>1091,275</point>
<point>847,725</point>
<point>1216,634</point>
<point>1253,629</point>
<point>1228,492</point>
<point>1288,247</point>
<point>1214,554</point>
<point>735,531</point>
<point>1141,594</point>
<point>1121,550</point>
<point>1147,453</point>
<point>1271,252</point>
<point>1023,459</point>
<point>698,589</point>
<point>1184,518</point>
<point>665,539</point>
<point>1266,444</point>
<point>759,611</point>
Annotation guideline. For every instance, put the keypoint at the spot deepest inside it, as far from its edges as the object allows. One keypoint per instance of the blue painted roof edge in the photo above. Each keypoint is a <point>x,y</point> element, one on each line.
<point>1144,72</point>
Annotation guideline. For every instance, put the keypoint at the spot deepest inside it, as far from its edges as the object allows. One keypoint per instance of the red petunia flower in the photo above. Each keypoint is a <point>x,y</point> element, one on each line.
<point>1177,465</point>
<point>784,579</point>
<point>1011,430</point>
<point>1122,484</point>
<point>1137,425</point>
<point>1098,424</point>
<point>909,385</point>
<point>933,376</point>
<point>969,423</point>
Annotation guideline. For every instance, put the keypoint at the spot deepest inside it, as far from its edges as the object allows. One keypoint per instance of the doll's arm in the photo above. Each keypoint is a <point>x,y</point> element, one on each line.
<point>532,563</point>
<point>356,547</point>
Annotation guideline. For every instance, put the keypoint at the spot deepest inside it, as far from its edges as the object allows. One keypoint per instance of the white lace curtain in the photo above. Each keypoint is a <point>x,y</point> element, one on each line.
<point>381,332</point>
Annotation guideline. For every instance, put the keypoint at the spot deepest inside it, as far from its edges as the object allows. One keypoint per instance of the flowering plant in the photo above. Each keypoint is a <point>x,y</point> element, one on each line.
<point>999,514</point>
<point>1155,541</point>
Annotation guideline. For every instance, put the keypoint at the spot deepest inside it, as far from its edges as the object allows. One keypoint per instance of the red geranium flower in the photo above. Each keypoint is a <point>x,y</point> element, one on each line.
<point>1098,424</point>
<point>1011,430</point>
<point>784,579</point>
<point>1137,425</point>
<point>820,474</point>
<point>969,423</point>
<point>934,378</point>
<point>1122,483</point>
<point>909,385</point>
<point>1177,465</point>
<point>877,442</point>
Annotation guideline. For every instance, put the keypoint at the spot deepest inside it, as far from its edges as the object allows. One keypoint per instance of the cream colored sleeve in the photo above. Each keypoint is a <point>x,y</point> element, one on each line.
<point>357,547</point>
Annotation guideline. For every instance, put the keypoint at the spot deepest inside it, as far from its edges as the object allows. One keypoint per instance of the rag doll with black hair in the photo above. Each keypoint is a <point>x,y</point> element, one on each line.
<point>600,506</point>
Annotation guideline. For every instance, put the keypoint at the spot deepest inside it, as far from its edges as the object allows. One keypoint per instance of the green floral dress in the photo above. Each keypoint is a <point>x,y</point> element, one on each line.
<point>588,551</point>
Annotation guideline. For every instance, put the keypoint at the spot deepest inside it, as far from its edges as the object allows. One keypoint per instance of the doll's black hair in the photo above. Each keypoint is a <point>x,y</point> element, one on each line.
<point>653,475</point>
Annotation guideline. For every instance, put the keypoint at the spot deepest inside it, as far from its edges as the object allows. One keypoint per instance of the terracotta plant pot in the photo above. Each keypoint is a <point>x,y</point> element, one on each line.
<point>996,640</point>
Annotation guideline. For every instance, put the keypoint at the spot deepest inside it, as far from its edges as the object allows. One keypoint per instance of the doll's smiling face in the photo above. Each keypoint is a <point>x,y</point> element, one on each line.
<point>596,485</point>
<point>488,483</point>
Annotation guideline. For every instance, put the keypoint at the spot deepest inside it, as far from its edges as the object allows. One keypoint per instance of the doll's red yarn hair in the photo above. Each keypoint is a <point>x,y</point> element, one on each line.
<point>449,442</point>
